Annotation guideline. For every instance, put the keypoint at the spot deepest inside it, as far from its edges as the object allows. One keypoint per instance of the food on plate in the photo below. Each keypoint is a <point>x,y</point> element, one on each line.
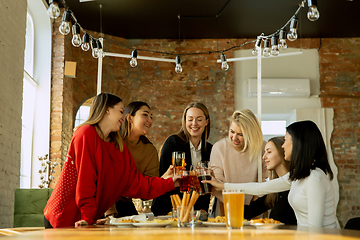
<point>218,219</point>
<point>265,220</point>
<point>125,220</point>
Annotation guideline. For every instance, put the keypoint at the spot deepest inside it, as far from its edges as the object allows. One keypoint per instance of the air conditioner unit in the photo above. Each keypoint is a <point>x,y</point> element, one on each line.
<point>280,87</point>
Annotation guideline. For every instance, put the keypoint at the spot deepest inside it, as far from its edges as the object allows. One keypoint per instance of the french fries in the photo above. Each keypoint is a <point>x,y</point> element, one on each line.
<point>265,220</point>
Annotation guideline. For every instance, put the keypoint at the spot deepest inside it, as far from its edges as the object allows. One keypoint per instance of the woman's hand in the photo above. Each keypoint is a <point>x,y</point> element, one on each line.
<point>216,184</point>
<point>169,173</point>
<point>176,180</point>
<point>81,223</point>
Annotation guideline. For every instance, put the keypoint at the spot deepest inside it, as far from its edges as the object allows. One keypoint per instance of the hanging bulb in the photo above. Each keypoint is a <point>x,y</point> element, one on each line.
<point>267,51</point>
<point>85,45</point>
<point>313,13</point>
<point>95,50</point>
<point>292,35</point>
<point>65,25</point>
<point>178,68</point>
<point>282,35</point>
<point>99,49</point>
<point>76,40</point>
<point>133,61</point>
<point>224,65</point>
<point>274,46</point>
<point>255,50</point>
<point>53,10</point>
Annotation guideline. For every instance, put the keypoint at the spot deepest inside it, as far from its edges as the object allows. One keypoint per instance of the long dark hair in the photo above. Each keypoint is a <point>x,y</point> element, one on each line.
<point>98,108</point>
<point>131,109</point>
<point>308,150</point>
<point>272,198</point>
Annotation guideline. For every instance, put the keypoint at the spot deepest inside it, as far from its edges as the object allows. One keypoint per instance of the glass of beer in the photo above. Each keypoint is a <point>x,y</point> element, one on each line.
<point>178,161</point>
<point>204,174</point>
<point>234,208</point>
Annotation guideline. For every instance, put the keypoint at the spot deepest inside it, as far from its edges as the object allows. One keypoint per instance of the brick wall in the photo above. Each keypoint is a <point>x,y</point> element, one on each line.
<point>12,45</point>
<point>202,80</point>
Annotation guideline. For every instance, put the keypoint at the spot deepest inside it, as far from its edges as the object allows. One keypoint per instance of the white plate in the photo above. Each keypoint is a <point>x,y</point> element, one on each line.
<point>125,225</point>
<point>246,223</point>
<point>266,225</point>
<point>214,224</point>
<point>150,225</point>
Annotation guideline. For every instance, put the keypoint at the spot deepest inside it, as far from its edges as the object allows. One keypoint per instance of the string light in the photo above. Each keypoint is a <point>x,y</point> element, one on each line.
<point>224,65</point>
<point>274,46</point>
<point>85,46</point>
<point>53,10</point>
<point>282,36</point>
<point>65,25</point>
<point>133,61</point>
<point>292,35</point>
<point>96,45</point>
<point>267,51</point>
<point>313,13</point>
<point>178,68</point>
<point>76,40</point>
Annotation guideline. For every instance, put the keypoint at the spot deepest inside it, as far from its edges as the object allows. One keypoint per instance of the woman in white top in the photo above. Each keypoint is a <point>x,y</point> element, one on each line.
<point>234,159</point>
<point>309,180</point>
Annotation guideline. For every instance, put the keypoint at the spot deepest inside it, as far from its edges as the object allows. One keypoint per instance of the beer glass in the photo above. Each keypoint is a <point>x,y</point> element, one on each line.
<point>178,161</point>
<point>234,208</point>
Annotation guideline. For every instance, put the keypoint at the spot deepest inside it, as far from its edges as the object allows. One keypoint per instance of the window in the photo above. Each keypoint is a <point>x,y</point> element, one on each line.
<point>273,128</point>
<point>81,115</point>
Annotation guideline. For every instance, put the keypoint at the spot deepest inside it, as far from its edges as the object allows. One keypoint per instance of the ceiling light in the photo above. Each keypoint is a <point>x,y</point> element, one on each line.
<point>76,39</point>
<point>274,46</point>
<point>85,45</point>
<point>313,13</point>
<point>292,35</point>
<point>65,25</point>
<point>282,36</point>
<point>257,46</point>
<point>178,68</point>
<point>133,61</point>
<point>224,65</point>
<point>53,10</point>
<point>267,51</point>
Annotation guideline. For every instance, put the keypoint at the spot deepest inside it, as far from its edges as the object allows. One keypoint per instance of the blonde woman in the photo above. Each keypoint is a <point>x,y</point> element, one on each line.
<point>234,159</point>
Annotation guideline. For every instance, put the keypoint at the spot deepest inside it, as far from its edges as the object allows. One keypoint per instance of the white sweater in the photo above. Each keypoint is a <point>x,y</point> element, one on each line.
<point>311,198</point>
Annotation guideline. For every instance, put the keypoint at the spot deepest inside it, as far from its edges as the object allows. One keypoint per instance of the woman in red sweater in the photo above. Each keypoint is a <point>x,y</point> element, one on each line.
<point>98,170</point>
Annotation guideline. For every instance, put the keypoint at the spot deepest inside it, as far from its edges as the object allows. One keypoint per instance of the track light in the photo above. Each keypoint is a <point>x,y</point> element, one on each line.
<point>274,46</point>
<point>65,25</point>
<point>267,51</point>
<point>133,61</point>
<point>282,36</point>
<point>292,35</point>
<point>313,13</point>
<point>178,68</point>
<point>85,45</point>
<point>53,10</point>
<point>224,65</point>
<point>255,50</point>
<point>76,39</point>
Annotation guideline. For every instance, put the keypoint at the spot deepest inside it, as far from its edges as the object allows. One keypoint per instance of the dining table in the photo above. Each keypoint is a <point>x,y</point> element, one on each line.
<point>109,232</point>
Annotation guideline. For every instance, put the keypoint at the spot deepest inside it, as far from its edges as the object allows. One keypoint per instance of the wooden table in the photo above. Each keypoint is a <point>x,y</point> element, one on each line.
<point>199,233</point>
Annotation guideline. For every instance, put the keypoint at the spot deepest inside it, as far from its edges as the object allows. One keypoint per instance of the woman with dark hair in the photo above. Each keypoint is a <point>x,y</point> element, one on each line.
<point>277,202</point>
<point>191,139</point>
<point>137,124</point>
<point>98,170</point>
<point>311,194</point>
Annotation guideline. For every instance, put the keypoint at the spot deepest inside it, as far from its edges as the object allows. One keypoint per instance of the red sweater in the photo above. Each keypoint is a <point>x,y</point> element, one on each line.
<point>94,176</point>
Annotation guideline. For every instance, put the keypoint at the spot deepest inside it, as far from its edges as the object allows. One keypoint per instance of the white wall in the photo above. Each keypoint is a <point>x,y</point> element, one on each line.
<point>305,65</point>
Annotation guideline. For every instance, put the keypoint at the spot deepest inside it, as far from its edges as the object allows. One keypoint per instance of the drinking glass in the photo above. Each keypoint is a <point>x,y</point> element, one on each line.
<point>184,181</point>
<point>204,174</point>
<point>185,216</point>
<point>178,161</point>
<point>234,208</point>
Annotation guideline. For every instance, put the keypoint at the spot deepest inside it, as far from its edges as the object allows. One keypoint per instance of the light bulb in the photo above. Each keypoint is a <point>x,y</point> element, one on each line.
<point>95,53</point>
<point>95,50</point>
<point>282,45</point>
<point>178,68</point>
<point>275,50</point>
<point>76,40</point>
<point>133,61</point>
<point>267,51</point>
<point>53,10</point>
<point>274,46</point>
<point>255,50</point>
<point>65,25</point>
<point>313,13</point>
<point>224,65</point>
<point>292,35</point>
<point>85,46</point>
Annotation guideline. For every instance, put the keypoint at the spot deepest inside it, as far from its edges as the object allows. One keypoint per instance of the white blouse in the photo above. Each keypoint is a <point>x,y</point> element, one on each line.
<point>312,198</point>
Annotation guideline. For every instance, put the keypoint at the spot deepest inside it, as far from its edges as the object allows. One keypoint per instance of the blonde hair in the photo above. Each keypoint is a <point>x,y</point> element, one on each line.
<point>183,132</point>
<point>98,108</point>
<point>251,130</point>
